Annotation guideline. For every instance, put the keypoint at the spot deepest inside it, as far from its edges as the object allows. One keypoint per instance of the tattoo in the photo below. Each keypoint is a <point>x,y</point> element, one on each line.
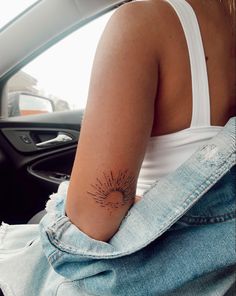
<point>113,191</point>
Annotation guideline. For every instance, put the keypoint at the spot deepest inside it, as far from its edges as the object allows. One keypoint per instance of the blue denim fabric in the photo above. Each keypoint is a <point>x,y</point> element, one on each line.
<point>178,240</point>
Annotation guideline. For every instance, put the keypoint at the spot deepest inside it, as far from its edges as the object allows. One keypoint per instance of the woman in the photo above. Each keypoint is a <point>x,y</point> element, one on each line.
<point>148,111</point>
<point>142,99</point>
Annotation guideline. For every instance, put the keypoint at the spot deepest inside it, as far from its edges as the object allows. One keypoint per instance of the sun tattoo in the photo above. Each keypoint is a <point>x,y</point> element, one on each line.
<point>113,191</point>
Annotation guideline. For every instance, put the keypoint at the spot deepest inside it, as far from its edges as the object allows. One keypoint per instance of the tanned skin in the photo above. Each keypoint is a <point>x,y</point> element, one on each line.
<point>140,87</point>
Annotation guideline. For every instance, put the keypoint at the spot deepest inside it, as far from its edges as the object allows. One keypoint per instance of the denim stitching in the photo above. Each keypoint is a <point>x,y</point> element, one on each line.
<point>57,254</point>
<point>208,220</point>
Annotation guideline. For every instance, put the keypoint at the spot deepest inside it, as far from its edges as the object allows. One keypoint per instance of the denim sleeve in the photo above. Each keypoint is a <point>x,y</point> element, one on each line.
<point>78,257</point>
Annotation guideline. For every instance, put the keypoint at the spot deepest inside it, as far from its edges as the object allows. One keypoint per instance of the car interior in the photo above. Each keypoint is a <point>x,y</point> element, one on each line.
<point>37,151</point>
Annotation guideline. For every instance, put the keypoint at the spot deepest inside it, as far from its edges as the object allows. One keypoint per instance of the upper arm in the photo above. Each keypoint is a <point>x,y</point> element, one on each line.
<point>116,125</point>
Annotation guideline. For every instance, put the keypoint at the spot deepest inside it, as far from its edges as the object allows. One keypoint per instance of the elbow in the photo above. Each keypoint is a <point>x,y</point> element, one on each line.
<point>97,232</point>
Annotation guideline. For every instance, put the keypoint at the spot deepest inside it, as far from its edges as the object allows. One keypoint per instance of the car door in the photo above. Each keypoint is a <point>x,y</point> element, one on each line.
<point>30,172</point>
<point>37,150</point>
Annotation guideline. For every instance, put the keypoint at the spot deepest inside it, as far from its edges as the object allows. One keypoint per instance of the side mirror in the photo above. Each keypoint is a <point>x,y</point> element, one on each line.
<point>22,104</point>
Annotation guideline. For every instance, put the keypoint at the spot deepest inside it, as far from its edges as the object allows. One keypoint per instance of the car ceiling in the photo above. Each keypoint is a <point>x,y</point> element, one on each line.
<point>46,22</point>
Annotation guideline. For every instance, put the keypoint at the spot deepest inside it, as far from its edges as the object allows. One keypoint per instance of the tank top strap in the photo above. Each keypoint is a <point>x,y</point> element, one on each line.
<point>200,88</point>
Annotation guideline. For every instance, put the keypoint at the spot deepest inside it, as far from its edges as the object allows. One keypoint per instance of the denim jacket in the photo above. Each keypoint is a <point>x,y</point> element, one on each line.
<point>178,240</point>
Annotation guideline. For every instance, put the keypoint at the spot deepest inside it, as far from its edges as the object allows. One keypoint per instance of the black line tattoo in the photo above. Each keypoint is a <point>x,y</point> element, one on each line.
<point>113,191</point>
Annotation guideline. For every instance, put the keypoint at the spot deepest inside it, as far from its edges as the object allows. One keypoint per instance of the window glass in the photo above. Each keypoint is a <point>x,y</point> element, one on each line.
<point>9,9</point>
<point>61,74</point>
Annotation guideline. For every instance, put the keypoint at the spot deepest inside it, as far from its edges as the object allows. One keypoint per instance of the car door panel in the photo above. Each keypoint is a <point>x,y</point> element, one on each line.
<point>30,140</point>
<point>30,175</point>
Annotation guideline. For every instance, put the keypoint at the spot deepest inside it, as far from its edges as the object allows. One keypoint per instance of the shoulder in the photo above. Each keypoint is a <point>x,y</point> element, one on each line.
<point>133,17</point>
<point>144,5</point>
<point>145,10</point>
<point>146,21</point>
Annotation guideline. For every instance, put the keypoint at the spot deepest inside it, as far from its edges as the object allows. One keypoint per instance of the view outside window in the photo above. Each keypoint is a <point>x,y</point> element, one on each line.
<point>59,77</point>
<point>12,8</point>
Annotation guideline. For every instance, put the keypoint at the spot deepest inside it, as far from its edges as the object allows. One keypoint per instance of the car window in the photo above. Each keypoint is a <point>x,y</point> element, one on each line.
<point>58,79</point>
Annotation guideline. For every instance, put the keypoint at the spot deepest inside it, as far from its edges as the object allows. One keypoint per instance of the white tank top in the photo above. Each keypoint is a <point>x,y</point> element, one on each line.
<point>166,153</point>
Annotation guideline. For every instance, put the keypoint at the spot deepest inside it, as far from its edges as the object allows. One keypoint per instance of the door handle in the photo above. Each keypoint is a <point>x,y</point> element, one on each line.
<point>60,139</point>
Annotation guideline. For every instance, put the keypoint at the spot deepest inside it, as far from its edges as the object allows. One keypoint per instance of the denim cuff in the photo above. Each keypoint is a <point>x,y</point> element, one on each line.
<point>161,206</point>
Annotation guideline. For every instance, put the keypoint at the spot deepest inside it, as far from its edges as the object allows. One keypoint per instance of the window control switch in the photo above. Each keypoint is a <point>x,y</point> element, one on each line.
<point>26,139</point>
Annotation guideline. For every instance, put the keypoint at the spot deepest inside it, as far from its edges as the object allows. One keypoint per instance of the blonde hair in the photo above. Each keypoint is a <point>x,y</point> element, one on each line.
<point>231,6</point>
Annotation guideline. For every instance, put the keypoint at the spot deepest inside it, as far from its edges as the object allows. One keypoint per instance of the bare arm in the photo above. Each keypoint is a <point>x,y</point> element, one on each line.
<point>116,126</point>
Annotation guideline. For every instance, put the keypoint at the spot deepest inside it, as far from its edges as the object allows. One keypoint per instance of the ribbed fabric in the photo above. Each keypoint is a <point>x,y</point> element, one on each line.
<point>165,154</point>
<point>200,90</point>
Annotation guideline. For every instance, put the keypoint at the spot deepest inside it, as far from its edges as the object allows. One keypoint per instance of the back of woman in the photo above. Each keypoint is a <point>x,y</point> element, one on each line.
<point>174,97</point>
<point>196,81</point>
<point>152,124</point>
<point>170,88</point>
